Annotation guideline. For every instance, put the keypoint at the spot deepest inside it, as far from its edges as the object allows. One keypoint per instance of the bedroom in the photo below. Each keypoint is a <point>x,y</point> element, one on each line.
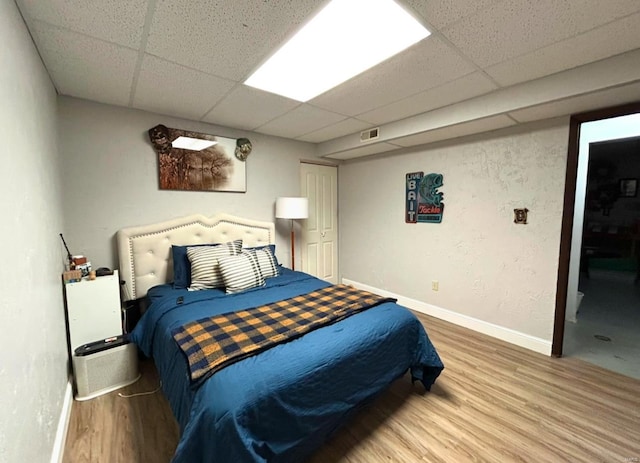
<point>85,168</point>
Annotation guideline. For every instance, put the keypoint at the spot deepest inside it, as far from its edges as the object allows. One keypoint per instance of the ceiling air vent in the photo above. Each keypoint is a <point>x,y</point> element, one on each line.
<point>370,134</point>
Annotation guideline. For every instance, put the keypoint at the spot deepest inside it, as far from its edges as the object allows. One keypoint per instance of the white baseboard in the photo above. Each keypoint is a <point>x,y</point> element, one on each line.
<point>63,425</point>
<point>505,334</point>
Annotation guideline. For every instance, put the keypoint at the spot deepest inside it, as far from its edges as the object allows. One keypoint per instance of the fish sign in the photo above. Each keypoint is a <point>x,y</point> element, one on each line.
<point>423,200</point>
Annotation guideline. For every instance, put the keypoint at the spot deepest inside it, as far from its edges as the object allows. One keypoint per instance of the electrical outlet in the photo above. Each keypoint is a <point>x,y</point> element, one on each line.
<point>434,285</point>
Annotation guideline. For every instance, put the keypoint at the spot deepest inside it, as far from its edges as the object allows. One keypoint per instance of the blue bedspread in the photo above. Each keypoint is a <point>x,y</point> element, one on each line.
<point>282,404</point>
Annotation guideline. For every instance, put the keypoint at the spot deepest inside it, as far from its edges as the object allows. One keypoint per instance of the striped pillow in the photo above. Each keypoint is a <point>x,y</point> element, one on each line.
<point>266,261</point>
<point>205,272</point>
<point>240,272</point>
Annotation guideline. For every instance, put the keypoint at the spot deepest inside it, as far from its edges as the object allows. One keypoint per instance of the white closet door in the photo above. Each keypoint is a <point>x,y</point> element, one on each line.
<point>319,237</point>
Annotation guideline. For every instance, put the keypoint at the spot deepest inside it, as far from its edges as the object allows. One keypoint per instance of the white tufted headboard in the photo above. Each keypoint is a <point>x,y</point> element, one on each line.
<point>144,252</point>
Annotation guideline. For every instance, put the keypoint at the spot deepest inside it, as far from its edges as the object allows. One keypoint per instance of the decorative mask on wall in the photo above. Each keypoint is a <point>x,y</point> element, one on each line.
<point>520,216</point>
<point>197,161</point>
<point>423,200</point>
<point>243,148</point>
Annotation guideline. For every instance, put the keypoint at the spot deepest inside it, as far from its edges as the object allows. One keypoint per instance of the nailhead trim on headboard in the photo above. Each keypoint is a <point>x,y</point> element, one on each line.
<point>253,232</point>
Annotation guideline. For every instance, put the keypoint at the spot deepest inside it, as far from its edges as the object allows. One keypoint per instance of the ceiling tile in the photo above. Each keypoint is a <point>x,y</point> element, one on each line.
<point>442,13</point>
<point>197,52</point>
<point>247,108</point>
<point>111,20</point>
<point>612,39</point>
<point>84,67</point>
<point>606,98</point>
<point>425,65</point>
<point>300,121</point>
<point>340,129</point>
<point>460,130</point>
<point>515,27</point>
<point>460,89</point>
<point>224,38</point>
<point>364,151</point>
<point>161,88</point>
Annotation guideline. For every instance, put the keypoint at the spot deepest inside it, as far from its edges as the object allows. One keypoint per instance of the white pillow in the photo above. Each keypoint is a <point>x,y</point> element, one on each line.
<point>205,271</point>
<point>266,262</point>
<point>240,272</point>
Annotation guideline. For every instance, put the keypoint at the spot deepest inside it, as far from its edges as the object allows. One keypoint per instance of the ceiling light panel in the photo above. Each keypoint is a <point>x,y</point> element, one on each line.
<point>193,144</point>
<point>346,38</point>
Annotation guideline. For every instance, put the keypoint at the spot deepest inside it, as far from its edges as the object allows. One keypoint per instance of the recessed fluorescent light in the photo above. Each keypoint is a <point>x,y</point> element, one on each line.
<point>344,39</point>
<point>193,144</point>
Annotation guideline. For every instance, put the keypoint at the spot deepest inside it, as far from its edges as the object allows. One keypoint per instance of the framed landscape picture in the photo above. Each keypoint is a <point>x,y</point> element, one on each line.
<point>197,161</point>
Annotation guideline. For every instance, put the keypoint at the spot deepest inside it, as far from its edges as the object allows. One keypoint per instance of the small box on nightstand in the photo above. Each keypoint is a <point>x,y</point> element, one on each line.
<point>103,366</point>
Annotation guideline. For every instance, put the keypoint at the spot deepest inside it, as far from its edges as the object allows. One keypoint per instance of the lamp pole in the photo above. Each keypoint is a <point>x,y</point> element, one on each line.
<point>292,208</point>
<point>293,241</point>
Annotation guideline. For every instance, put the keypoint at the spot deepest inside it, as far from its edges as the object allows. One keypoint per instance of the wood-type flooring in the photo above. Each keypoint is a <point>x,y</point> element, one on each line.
<point>494,402</point>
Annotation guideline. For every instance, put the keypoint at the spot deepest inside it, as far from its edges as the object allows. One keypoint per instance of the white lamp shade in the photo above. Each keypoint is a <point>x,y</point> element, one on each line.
<point>292,208</point>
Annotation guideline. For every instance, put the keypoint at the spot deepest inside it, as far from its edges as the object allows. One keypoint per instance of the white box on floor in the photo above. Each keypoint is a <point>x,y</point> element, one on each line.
<point>104,366</point>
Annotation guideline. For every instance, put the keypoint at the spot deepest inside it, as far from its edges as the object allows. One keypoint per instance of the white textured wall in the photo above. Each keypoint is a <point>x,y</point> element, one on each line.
<point>488,267</point>
<point>33,352</point>
<point>110,173</point>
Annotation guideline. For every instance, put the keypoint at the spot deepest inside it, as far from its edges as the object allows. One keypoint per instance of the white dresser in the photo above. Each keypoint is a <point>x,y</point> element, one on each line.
<point>93,309</point>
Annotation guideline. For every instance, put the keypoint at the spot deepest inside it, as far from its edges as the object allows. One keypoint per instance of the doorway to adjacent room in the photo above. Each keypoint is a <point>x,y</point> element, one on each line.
<point>597,289</point>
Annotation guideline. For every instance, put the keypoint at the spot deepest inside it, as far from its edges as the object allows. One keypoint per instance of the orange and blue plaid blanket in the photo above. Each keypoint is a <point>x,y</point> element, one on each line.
<point>211,344</point>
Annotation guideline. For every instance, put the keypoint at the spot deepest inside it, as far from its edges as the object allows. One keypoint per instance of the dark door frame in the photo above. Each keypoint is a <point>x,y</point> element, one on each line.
<point>568,211</point>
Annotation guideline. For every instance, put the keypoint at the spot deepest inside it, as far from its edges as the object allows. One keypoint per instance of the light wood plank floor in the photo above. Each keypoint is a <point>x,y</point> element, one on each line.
<point>494,402</point>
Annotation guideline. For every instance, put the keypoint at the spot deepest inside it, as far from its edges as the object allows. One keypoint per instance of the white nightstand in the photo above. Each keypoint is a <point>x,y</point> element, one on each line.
<point>93,309</point>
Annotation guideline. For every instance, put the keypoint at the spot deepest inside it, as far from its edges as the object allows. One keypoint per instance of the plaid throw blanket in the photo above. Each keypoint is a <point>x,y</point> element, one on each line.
<point>211,344</point>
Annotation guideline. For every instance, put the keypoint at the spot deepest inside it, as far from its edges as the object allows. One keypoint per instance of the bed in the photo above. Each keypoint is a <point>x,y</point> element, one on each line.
<point>285,401</point>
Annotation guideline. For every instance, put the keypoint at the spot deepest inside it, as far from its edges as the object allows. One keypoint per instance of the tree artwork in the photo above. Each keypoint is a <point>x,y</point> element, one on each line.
<point>205,163</point>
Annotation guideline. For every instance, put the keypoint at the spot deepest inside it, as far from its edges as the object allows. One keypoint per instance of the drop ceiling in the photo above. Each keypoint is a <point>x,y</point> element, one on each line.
<point>488,64</point>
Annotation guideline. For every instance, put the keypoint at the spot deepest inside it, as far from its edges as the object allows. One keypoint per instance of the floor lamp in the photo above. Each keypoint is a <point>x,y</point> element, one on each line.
<point>292,209</point>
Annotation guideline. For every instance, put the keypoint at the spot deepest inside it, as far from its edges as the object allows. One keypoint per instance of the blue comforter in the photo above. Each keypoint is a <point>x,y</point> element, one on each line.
<point>280,405</point>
